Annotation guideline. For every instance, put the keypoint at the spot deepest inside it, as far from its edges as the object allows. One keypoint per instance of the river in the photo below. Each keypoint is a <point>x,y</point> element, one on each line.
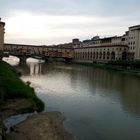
<point>98,104</point>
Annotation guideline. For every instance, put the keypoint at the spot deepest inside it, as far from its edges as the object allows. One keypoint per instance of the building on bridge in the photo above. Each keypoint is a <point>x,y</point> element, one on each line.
<point>2,24</point>
<point>23,51</point>
<point>126,47</point>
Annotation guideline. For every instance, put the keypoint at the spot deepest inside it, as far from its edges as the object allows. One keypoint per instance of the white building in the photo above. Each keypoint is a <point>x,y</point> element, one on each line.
<point>133,40</point>
<point>126,47</point>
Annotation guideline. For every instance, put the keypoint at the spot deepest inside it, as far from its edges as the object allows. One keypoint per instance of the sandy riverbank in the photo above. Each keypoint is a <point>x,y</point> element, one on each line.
<point>44,126</point>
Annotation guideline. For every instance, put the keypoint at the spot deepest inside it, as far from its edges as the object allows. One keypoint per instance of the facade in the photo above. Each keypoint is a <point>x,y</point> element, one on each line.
<point>133,42</point>
<point>2,24</point>
<point>101,50</point>
<point>56,51</point>
<point>126,47</point>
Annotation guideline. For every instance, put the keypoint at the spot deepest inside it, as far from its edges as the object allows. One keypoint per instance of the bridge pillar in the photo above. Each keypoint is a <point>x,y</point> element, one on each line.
<point>46,60</point>
<point>22,59</point>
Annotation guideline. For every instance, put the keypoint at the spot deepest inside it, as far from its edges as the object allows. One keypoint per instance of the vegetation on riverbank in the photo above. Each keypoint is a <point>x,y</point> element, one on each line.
<point>12,87</point>
<point>132,67</point>
<point>131,64</point>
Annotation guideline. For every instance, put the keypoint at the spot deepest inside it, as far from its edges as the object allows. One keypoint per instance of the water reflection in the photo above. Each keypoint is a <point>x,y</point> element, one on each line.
<point>119,87</point>
<point>36,69</point>
<point>122,87</point>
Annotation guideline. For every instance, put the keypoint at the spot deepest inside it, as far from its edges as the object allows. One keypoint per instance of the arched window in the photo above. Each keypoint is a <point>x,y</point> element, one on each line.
<point>90,55</point>
<point>83,55</point>
<point>100,55</point>
<point>112,55</point>
<point>96,55</point>
<point>124,56</point>
<point>103,55</point>
<point>108,55</point>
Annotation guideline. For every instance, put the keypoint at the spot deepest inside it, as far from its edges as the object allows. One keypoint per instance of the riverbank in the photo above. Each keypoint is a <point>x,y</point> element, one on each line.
<point>41,127</point>
<point>17,97</point>
<point>129,68</point>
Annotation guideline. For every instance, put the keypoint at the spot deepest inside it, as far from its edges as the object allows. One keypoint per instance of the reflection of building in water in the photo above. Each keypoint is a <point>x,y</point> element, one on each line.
<point>130,98</point>
<point>35,69</point>
<point>121,88</point>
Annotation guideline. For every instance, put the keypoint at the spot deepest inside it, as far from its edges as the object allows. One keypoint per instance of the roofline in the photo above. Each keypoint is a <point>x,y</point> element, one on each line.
<point>134,26</point>
<point>44,46</point>
<point>2,23</point>
<point>101,47</point>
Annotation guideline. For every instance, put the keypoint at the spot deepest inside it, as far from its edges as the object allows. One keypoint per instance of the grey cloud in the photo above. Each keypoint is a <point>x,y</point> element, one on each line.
<point>73,7</point>
<point>126,13</point>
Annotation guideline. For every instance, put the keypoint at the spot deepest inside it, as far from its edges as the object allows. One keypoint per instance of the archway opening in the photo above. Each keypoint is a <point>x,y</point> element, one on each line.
<point>113,56</point>
<point>124,56</point>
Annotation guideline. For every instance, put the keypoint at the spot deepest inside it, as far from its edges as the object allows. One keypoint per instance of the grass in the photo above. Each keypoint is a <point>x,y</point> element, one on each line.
<point>11,87</point>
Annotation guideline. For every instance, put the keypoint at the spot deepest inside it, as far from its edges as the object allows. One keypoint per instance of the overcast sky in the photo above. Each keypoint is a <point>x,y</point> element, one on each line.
<point>58,21</point>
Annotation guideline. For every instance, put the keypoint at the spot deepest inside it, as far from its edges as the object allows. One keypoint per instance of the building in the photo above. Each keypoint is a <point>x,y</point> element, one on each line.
<point>54,51</point>
<point>126,47</point>
<point>133,42</point>
<point>2,24</point>
<point>102,49</point>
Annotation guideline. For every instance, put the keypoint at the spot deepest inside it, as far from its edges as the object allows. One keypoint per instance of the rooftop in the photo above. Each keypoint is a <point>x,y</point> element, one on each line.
<point>3,23</point>
<point>136,27</point>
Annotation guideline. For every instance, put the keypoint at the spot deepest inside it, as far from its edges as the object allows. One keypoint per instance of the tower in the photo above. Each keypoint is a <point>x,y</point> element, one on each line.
<point>2,24</point>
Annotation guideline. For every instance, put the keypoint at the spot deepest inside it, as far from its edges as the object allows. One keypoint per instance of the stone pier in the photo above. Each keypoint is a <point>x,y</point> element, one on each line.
<point>22,59</point>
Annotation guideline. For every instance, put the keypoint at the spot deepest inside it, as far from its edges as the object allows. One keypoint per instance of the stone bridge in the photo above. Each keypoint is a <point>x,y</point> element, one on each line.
<point>35,51</point>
